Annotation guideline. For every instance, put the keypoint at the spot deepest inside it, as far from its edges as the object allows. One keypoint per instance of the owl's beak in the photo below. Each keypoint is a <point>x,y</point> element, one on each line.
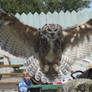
<point>52,34</point>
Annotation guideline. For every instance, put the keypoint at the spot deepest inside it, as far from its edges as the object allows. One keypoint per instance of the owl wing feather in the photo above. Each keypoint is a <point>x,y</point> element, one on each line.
<point>78,40</point>
<point>15,37</point>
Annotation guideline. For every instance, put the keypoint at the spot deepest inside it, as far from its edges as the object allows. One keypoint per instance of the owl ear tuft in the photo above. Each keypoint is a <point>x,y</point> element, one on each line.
<point>45,24</point>
<point>59,26</point>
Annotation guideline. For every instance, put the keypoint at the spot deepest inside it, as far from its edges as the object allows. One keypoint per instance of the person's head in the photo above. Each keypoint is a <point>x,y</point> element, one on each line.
<point>27,77</point>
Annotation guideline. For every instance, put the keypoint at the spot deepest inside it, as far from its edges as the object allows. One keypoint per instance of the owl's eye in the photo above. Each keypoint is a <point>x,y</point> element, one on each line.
<point>49,30</point>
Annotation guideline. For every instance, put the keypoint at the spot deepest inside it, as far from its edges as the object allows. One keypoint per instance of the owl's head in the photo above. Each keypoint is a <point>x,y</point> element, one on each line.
<point>51,31</point>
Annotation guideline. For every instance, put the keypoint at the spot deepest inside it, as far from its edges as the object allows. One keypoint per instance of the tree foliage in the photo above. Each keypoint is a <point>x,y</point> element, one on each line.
<point>27,6</point>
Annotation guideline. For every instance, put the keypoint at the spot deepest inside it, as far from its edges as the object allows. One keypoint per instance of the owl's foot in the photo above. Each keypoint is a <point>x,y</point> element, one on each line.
<point>56,68</point>
<point>46,68</point>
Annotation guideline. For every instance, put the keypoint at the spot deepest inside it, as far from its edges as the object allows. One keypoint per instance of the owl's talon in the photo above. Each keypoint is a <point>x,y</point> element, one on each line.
<point>46,68</point>
<point>56,68</point>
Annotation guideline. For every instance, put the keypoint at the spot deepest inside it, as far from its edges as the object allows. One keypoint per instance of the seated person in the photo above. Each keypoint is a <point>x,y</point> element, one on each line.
<point>25,82</point>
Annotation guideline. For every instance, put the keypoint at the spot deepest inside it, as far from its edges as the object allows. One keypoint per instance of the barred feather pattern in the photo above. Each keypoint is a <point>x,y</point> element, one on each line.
<point>10,42</point>
<point>65,65</point>
<point>80,51</point>
<point>33,67</point>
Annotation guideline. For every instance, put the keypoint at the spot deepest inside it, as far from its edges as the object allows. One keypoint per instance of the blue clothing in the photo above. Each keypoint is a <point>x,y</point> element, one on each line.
<point>23,85</point>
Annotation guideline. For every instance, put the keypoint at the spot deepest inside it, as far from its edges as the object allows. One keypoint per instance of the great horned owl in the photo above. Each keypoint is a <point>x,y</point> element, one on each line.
<point>49,50</point>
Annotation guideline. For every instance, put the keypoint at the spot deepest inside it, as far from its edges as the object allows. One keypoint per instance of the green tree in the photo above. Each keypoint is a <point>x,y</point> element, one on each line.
<point>33,6</point>
<point>76,5</point>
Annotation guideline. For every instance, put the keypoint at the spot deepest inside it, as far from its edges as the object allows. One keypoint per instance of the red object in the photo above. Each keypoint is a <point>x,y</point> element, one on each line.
<point>58,82</point>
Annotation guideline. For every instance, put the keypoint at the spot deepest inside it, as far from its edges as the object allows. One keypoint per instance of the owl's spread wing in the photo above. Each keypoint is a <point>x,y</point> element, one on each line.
<point>16,38</point>
<point>78,40</point>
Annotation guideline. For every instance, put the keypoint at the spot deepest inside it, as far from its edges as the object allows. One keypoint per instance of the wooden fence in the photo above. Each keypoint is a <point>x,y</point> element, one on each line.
<point>64,19</point>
